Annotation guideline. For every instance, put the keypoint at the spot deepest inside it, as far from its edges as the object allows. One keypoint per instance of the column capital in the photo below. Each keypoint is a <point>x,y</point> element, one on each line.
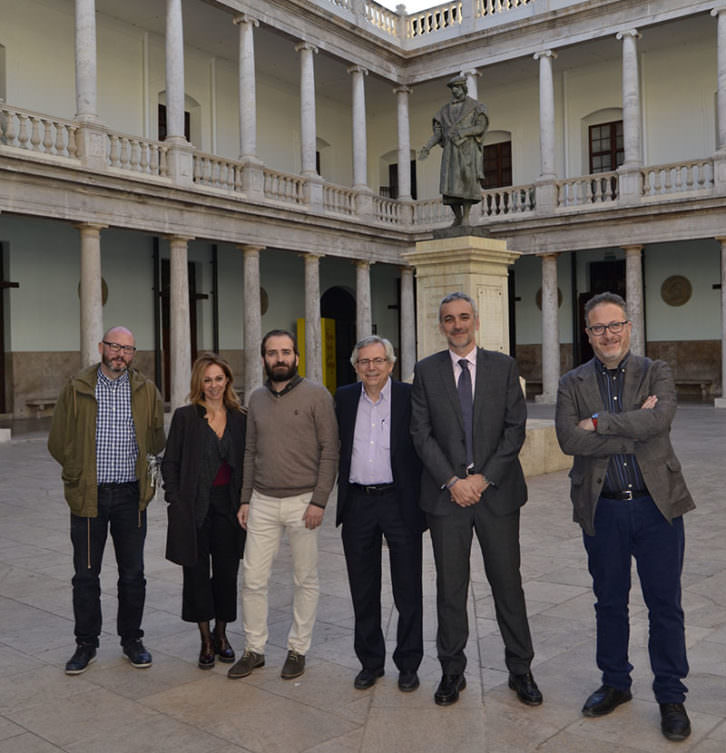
<point>357,69</point>
<point>89,226</point>
<point>633,250</point>
<point>175,237</point>
<point>718,8</point>
<point>311,256</point>
<point>305,46</point>
<point>470,72</point>
<point>245,18</point>
<point>548,254</point>
<point>364,263</point>
<point>250,248</point>
<point>402,89</point>
<point>634,33</point>
<point>545,54</point>
<point>720,238</point>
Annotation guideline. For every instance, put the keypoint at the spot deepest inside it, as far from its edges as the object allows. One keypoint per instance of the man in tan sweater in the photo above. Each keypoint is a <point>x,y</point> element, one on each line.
<point>291,459</point>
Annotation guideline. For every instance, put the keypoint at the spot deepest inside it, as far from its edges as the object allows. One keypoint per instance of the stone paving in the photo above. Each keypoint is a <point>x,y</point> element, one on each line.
<point>174,706</point>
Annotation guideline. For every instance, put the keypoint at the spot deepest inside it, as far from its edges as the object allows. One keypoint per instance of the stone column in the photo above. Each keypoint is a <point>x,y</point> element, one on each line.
<point>180,350</point>
<point>247,92</point>
<point>408,324</point>
<point>179,157</point>
<point>546,197</point>
<point>720,156</point>
<point>720,402</point>
<point>472,85</point>
<point>313,334</point>
<point>91,292</point>
<point>308,133</point>
<point>363,299</point>
<point>360,141</point>
<point>630,179</point>
<point>404,144</point>
<point>550,331</point>
<point>86,61</point>
<point>634,297</point>
<point>253,319</point>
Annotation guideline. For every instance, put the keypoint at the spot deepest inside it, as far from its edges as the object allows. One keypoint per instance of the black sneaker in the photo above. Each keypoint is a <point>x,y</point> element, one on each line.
<point>294,666</point>
<point>136,653</point>
<point>78,663</point>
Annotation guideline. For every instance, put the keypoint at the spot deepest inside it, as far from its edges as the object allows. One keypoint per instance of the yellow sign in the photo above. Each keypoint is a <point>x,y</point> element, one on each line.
<point>327,327</point>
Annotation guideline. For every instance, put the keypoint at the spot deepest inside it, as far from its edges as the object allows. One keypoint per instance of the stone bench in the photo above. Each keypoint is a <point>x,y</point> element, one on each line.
<point>41,404</point>
<point>704,384</point>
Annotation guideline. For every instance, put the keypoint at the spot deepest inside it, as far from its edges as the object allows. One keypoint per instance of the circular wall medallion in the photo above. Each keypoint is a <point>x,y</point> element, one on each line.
<point>538,298</point>
<point>104,291</point>
<point>676,290</point>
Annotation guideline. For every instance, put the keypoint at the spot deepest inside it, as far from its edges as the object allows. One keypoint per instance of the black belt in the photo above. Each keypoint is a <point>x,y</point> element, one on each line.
<point>373,489</point>
<point>626,494</point>
<point>122,485</point>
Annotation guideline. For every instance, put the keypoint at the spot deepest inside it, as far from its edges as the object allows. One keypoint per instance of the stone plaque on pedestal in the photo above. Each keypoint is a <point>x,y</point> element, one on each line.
<point>471,264</point>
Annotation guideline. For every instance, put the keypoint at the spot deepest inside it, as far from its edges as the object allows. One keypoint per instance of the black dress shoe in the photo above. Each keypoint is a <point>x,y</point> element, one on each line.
<point>206,655</point>
<point>366,678</point>
<point>136,653</point>
<point>674,722</point>
<point>448,690</point>
<point>526,688</point>
<point>223,649</point>
<point>604,700</point>
<point>408,681</point>
<point>83,656</point>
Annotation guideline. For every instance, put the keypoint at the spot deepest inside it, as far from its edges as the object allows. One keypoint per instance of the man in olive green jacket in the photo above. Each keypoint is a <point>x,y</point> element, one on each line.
<point>108,420</point>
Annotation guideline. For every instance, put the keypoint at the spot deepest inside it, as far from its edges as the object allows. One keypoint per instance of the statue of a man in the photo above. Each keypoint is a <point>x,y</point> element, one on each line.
<point>459,127</point>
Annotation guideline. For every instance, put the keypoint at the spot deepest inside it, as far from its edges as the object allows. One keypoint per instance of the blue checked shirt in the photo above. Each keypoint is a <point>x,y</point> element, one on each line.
<point>116,447</point>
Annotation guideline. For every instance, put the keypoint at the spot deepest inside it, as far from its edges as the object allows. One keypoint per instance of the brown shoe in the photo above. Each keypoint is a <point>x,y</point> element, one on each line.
<point>294,666</point>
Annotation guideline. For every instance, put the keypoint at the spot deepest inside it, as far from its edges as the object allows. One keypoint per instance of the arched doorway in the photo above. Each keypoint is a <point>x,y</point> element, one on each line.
<point>338,304</point>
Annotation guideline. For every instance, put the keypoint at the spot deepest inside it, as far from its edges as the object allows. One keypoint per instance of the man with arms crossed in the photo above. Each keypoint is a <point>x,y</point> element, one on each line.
<point>291,459</point>
<point>378,490</point>
<point>468,420</point>
<point>108,418</point>
<point>614,414</point>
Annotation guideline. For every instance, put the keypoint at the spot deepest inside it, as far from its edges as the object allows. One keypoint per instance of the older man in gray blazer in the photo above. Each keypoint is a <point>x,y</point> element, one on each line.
<point>468,420</point>
<point>614,415</point>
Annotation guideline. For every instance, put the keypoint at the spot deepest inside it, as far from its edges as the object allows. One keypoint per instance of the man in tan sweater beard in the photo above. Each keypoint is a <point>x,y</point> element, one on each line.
<point>291,459</point>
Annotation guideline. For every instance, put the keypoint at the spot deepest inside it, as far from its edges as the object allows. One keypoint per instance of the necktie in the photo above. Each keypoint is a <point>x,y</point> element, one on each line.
<point>467,408</point>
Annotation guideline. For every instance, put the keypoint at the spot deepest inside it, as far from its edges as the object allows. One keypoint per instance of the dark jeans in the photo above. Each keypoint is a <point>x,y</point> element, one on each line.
<point>365,521</point>
<point>118,506</point>
<point>623,530</point>
<point>220,537</point>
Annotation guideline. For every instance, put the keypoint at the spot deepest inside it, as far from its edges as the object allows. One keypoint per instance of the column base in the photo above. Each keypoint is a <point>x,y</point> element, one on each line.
<point>719,171</point>
<point>630,184</point>
<point>545,196</point>
<point>91,142</point>
<point>252,177</point>
<point>180,162</point>
<point>313,191</point>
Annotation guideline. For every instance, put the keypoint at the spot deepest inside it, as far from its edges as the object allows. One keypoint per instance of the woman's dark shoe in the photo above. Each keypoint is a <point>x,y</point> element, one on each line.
<point>206,655</point>
<point>223,649</point>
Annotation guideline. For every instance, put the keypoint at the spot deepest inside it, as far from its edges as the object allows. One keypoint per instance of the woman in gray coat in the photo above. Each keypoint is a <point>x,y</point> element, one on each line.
<point>202,471</point>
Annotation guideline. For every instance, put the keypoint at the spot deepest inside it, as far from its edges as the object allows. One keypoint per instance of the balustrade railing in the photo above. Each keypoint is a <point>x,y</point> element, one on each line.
<point>137,154</point>
<point>216,172</point>
<point>433,19</point>
<point>431,212</point>
<point>507,200</point>
<point>597,188</point>
<point>677,177</point>
<point>382,18</point>
<point>387,210</point>
<point>490,7</point>
<point>339,199</point>
<point>283,186</point>
<point>38,133</point>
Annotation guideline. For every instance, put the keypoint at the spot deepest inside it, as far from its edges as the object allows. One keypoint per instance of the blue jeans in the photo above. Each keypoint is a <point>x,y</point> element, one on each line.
<point>118,507</point>
<point>636,528</point>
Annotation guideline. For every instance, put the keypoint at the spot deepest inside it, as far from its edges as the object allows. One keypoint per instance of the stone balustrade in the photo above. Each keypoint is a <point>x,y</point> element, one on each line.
<point>383,19</point>
<point>137,154</point>
<point>216,172</point>
<point>387,210</point>
<point>283,186</point>
<point>490,7</point>
<point>433,20</point>
<point>507,200</point>
<point>338,199</point>
<point>432,212</point>
<point>597,188</point>
<point>38,133</point>
<point>694,175</point>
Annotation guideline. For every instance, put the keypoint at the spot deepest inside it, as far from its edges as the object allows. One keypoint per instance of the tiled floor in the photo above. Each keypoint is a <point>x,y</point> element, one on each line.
<point>175,707</point>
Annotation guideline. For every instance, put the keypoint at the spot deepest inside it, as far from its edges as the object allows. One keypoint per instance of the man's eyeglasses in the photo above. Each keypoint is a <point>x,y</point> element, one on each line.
<point>599,329</point>
<point>365,362</point>
<point>116,347</point>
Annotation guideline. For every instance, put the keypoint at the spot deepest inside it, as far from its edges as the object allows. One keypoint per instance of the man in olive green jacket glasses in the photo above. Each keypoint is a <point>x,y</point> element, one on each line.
<point>108,421</point>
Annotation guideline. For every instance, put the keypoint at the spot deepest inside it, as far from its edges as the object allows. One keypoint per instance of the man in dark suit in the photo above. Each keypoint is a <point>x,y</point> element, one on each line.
<point>378,488</point>
<point>614,414</point>
<point>468,420</point>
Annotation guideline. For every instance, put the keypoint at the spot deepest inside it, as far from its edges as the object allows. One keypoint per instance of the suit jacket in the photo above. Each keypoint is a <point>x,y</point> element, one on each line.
<point>643,433</point>
<point>180,469</point>
<point>404,462</point>
<point>437,428</point>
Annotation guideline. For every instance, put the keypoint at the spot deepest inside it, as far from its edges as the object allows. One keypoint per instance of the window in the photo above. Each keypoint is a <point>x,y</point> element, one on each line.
<point>393,180</point>
<point>498,165</point>
<point>162,124</point>
<point>606,146</point>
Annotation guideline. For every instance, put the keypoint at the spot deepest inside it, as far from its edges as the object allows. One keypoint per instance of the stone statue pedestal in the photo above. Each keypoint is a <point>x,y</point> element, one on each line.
<point>474,265</point>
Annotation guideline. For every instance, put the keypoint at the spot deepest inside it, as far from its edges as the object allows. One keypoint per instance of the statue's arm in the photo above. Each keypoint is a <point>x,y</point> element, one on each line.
<point>436,138</point>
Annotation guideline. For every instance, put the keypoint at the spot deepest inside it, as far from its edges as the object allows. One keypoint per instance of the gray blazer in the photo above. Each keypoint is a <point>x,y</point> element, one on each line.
<point>437,429</point>
<point>643,433</point>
